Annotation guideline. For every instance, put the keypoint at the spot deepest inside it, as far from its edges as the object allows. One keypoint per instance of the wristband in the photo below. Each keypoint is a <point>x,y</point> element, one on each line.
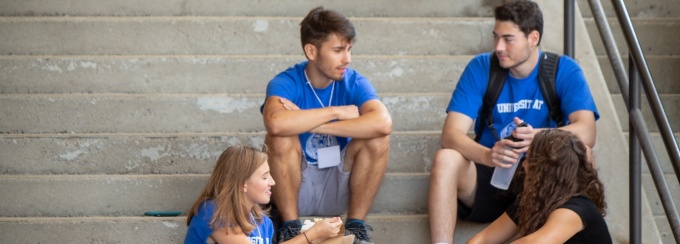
<point>308,241</point>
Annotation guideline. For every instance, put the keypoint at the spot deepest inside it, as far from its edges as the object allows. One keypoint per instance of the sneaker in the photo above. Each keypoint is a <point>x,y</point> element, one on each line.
<point>288,231</point>
<point>360,233</point>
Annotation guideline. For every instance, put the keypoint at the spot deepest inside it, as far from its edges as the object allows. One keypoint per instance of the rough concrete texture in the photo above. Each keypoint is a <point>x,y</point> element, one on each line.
<point>167,154</point>
<point>653,196</point>
<point>210,74</point>
<point>232,36</point>
<point>660,149</point>
<point>670,104</point>
<point>636,9</point>
<point>99,113</point>
<point>657,206</point>
<point>93,230</point>
<point>410,229</point>
<point>375,8</point>
<point>132,195</point>
<point>656,36</point>
<point>664,70</point>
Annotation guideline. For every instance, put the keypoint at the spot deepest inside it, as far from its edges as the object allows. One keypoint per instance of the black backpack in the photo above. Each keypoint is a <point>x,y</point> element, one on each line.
<point>547,71</point>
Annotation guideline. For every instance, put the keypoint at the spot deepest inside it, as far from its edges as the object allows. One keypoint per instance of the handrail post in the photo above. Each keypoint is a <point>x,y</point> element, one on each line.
<point>635,170</point>
<point>569,6</point>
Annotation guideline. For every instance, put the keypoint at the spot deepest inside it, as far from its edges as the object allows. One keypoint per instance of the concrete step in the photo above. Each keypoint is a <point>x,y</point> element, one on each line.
<point>375,8</point>
<point>664,70</point>
<point>232,36</point>
<point>661,153</point>
<point>657,36</point>
<point>412,229</point>
<point>132,195</point>
<point>636,9</point>
<point>167,153</point>
<point>653,196</point>
<point>179,113</point>
<point>210,74</point>
<point>669,101</point>
<point>655,203</point>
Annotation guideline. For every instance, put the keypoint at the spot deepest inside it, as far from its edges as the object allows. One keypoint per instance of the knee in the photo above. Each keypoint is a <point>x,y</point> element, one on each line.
<point>448,162</point>
<point>378,145</point>
<point>279,145</point>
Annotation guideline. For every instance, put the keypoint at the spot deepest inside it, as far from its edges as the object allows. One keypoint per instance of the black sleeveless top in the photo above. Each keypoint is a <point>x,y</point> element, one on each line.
<point>595,228</point>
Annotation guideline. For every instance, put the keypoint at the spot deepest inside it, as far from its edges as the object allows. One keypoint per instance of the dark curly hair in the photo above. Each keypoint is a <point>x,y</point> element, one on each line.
<point>557,168</point>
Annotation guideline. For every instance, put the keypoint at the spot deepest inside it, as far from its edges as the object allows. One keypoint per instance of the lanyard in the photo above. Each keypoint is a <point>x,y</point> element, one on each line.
<point>317,96</point>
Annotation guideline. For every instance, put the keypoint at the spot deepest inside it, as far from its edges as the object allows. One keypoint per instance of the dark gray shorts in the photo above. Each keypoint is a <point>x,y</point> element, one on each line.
<point>323,192</point>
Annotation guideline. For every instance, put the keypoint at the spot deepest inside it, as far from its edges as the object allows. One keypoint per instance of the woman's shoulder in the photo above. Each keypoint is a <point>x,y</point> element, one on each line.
<point>205,209</point>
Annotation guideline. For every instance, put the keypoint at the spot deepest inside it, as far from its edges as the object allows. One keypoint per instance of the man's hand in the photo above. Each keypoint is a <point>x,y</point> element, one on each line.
<point>502,155</point>
<point>526,134</point>
<point>347,112</point>
<point>288,105</point>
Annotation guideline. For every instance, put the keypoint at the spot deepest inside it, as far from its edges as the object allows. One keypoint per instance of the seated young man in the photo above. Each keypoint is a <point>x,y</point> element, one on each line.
<point>327,132</point>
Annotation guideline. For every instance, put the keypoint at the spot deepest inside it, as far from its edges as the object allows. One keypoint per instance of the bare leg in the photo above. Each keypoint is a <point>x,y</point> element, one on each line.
<point>367,161</point>
<point>453,177</point>
<point>284,162</point>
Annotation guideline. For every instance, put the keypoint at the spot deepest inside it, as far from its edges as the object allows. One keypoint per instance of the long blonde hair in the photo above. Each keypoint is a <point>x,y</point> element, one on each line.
<point>225,189</point>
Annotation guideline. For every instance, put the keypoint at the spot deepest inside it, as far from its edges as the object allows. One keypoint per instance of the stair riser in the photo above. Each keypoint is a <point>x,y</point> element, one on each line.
<point>656,36</point>
<point>184,114</point>
<point>378,8</point>
<point>670,103</point>
<point>233,36</point>
<point>664,71</point>
<point>386,229</point>
<point>167,155</point>
<point>133,195</point>
<point>662,155</point>
<point>209,74</point>
<point>640,9</point>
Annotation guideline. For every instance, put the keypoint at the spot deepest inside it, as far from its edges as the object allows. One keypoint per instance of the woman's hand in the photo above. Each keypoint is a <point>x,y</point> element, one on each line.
<point>324,229</point>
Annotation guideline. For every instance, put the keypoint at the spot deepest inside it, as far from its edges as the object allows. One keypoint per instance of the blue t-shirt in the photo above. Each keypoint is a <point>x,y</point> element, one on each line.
<point>520,98</point>
<point>291,84</point>
<point>199,228</point>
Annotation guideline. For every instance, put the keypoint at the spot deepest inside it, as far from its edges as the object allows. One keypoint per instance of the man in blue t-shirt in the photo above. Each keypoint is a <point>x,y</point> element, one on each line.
<point>461,171</point>
<point>324,123</point>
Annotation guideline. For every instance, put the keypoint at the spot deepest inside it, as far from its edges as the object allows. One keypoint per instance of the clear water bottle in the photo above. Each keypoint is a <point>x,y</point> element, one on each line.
<point>502,177</point>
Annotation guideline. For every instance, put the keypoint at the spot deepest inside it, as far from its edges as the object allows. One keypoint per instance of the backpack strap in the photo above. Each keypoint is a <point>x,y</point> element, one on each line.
<point>497,75</point>
<point>547,74</point>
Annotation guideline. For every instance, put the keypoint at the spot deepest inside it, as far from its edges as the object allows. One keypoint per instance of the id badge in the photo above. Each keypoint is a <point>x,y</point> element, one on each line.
<point>328,156</point>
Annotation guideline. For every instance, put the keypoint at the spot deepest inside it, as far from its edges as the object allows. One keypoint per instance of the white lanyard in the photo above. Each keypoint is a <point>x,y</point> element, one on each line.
<point>317,96</point>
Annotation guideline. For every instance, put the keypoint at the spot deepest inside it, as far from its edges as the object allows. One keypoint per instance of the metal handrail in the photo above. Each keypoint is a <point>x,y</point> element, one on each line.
<point>638,128</point>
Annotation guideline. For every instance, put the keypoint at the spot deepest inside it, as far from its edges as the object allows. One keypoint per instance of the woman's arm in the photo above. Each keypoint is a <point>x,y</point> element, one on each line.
<point>500,231</point>
<point>322,230</point>
<point>561,225</point>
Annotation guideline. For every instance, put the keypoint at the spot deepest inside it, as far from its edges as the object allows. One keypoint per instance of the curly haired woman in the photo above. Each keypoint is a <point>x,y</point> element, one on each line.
<point>562,199</point>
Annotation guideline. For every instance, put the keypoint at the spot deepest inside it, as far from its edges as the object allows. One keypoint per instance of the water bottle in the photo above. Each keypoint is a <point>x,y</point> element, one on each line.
<point>503,176</point>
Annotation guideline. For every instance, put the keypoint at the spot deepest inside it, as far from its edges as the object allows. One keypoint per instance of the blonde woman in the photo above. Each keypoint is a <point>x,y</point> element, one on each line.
<point>228,210</point>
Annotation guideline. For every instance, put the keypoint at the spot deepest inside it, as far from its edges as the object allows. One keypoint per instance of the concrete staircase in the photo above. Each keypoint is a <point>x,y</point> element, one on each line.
<point>657,24</point>
<point>109,109</point>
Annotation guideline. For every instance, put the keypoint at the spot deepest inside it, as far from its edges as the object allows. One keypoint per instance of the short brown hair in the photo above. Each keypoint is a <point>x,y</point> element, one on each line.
<point>320,23</point>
